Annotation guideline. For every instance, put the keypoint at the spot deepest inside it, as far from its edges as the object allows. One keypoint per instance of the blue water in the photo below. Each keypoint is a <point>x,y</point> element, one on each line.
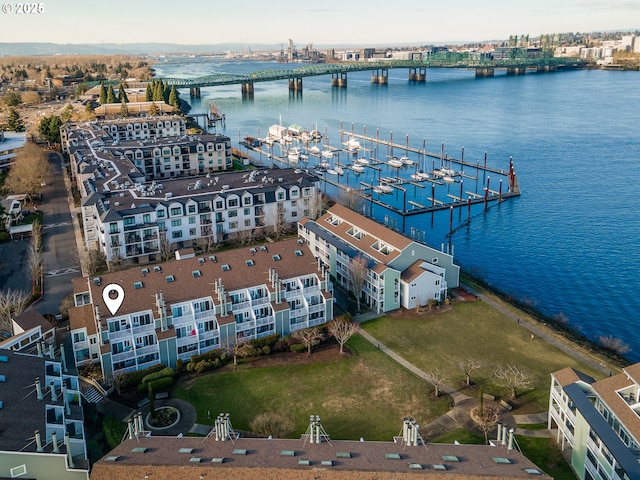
<point>569,245</point>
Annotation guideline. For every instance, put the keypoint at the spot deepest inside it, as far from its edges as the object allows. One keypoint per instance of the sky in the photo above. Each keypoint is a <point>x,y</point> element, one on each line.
<point>321,22</point>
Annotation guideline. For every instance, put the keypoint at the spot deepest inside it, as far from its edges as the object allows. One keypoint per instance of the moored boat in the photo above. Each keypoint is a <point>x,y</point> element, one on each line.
<point>395,163</point>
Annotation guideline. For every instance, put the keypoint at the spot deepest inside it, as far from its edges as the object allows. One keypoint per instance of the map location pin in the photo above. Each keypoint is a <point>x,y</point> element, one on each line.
<point>113,304</point>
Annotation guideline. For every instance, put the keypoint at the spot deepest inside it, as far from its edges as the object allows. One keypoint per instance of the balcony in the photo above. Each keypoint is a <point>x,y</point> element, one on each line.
<point>264,320</point>
<point>289,294</point>
<point>120,335</point>
<point>312,289</point>
<point>260,301</point>
<point>148,350</point>
<point>83,345</point>
<point>205,314</point>
<point>124,356</point>
<point>188,340</point>
<point>208,335</point>
<point>243,305</point>
<point>128,239</point>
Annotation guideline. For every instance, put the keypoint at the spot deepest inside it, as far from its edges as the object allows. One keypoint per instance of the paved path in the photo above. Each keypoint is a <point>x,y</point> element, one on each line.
<point>538,332</point>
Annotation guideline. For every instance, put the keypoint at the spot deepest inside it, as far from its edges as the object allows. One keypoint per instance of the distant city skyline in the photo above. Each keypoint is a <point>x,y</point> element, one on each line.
<point>327,22</point>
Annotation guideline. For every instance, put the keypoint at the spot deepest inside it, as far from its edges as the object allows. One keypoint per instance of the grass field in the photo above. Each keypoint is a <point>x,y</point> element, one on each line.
<point>363,395</point>
<point>474,330</point>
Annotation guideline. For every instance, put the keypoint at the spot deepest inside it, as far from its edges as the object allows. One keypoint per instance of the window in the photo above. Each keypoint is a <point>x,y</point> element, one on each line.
<point>192,209</point>
<point>233,213</point>
<point>280,195</point>
<point>138,285</point>
<point>146,218</point>
<point>170,279</point>
<point>232,202</point>
<point>233,225</point>
<point>192,220</point>
<point>306,192</point>
<point>247,222</point>
<point>160,213</point>
<point>225,268</point>
<point>177,222</point>
<point>176,211</point>
<point>219,205</point>
<point>176,234</point>
<point>298,253</point>
<point>276,257</point>
<point>250,263</point>
<point>247,211</point>
<point>192,232</point>
<point>196,273</point>
<point>129,221</point>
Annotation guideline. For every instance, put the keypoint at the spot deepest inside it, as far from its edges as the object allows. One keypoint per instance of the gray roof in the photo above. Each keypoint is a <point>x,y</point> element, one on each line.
<point>618,449</point>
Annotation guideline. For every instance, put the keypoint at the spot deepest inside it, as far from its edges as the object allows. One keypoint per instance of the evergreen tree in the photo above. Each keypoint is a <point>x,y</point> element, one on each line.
<point>174,99</point>
<point>14,122</point>
<point>124,110</point>
<point>158,92</point>
<point>111,95</point>
<point>67,113</point>
<point>122,94</point>
<point>154,110</point>
<point>148,96</point>
<point>165,93</point>
<point>103,93</point>
<point>49,128</point>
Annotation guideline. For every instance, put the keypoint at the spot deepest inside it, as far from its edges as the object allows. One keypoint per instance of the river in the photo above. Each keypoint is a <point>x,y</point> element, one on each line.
<point>569,245</point>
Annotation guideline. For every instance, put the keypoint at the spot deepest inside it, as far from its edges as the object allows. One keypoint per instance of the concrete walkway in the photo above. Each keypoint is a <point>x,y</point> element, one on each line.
<point>459,415</point>
<point>540,333</point>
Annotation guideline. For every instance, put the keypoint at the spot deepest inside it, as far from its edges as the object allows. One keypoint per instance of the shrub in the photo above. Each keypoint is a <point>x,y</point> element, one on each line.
<point>266,350</point>
<point>206,356</point>
<point>273,423</point>
<point>158,385</point>
<point>268,341</point>
<point>4,237</point>
<point>165,372</point>
<point>298,348</point>
<point>179,365</point>
<point>135,378</point>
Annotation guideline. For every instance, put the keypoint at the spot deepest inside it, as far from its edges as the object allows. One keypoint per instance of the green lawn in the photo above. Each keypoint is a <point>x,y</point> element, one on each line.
<point>363,395</point>
<point>546,455</point>
<point>474,330</point>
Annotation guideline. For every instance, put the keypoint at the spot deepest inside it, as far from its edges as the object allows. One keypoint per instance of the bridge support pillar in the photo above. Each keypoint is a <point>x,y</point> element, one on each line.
<point>482,72</point>
<point>339,79</point>
<point>547,68</point>
<point>380,76</point>
<point>247,88</point>
<point>295,84</point>
<point>194,92</point>
<point>516,70</point>
<point>418,74</point>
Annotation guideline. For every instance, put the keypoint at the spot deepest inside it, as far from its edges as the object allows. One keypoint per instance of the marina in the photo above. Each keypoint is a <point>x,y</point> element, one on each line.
<point>445,173</point>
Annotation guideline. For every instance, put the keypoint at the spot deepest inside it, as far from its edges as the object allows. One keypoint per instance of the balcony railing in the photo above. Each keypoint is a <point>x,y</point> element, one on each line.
<point>124,356</point>
<point>260,300</point>
<point>240,305</point>
<point>148,350</point>
<point>81,345</point>
<point>264,320</point>
<point>204,314</point>
<point>292,294</point>
<point>120,335</point>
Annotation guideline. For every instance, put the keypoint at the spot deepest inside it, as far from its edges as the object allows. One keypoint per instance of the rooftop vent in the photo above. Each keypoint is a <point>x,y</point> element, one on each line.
<point>225,268</point>
<point>415,466</point>
<point>170,278</point>
<point>276,258</point>
<point>212,258</point>
<point>439,466</point>
<point>185,450</point>
<point>138,285</point>
<point>392,456</point>
<point>196,273</point>
<point>157,268</point>
<point>250,263</point>
<point>144,271</point>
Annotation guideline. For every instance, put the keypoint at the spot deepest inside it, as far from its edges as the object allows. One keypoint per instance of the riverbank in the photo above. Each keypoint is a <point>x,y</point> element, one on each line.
<point>554,330</point>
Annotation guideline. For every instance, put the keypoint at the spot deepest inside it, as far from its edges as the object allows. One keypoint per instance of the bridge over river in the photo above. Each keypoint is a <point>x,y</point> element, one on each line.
<point>483,65</point>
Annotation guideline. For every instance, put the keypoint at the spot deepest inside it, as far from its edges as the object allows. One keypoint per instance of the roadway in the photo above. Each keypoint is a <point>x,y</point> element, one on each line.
<point>60,248</point>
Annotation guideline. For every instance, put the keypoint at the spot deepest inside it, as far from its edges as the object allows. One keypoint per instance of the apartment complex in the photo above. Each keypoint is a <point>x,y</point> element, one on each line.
<point>599,421</point>
<point>31,333</point>
<point>400,271</point>
<point>42,434</point>
<point>128,210</point>
<point>190,306</point>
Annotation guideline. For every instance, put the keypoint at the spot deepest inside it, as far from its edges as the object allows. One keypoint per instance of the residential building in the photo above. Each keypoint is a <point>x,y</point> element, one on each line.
<point>177,309</point>
<point>42,434</point>
<point>30,329</point>
<point>131,223</point>
<point>400,271</point>
<point>313,455</point>
<point>10,145</point>
<point>598,421</point>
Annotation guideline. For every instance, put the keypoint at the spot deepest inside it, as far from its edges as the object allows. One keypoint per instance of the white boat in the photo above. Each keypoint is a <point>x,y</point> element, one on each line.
<point>448,179</point>
<point>363,161</point>
<point>314,150</point>
<point>293,155</point>
<point>327,153</point>
<point>339,170</point>
<point>331,171</point>
<point>420,176</point>
<point>406,160</point>
<point>323,165</point>
<point>383,189</point>
<point>395,163</point>
<point>443,172</point>
<point>357,168</point>
<point>352,145</point>
<point>315,135</point>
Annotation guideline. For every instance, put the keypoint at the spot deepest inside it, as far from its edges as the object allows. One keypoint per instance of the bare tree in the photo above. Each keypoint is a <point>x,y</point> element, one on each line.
<point>278,224</point>
<point>350,199</point>
<point>342,328</point>
<point>273,423</point>
<point>437,378</point>
<point>614,344</point>
<point>358,270</point>
<point>512,377</point>
<point>317,205</point>
<point>29,172</point>
<point>241,350</point>
<point>206,243</point>
<point>35,262</point>
<point>95,261</point>
<point>310,337</point>
<point>245,237</point>
<point>467,366</point>
<point>167,247</point>
<point>487,419</point>
<point>12,303</point>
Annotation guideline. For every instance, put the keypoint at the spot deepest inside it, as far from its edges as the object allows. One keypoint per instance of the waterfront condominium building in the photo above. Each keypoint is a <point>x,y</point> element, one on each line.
<point>131,223</point>
<point>177,309</point>
<point>42,434</point>
<point>599,421</point>
<point>400,272</point>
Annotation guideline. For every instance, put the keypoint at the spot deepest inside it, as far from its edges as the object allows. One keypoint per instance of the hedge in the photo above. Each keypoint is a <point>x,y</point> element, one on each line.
<point>213,354</point>
<point>268,341</point>
<point>135,378</point>
<point>298,347</point>
<point>158,385</point>
<point>165,372</point>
